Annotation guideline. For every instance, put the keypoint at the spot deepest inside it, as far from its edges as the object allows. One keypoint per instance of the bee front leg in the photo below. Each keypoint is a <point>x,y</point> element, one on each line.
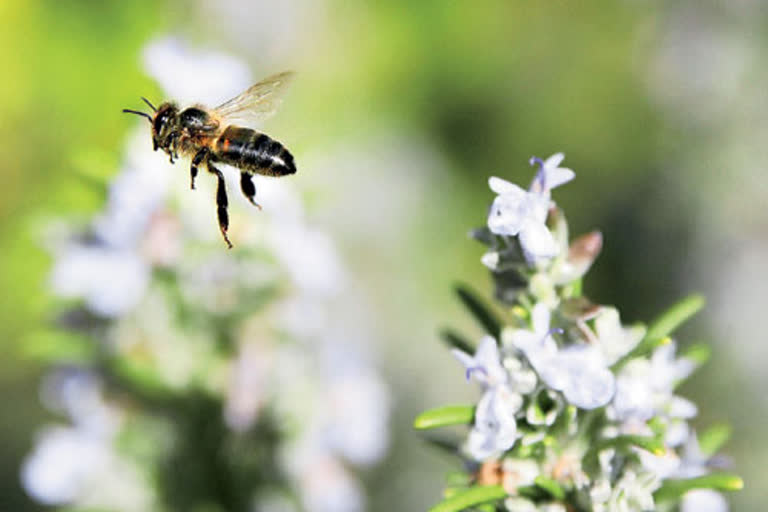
<point>172,140</point>
<point>198,159</point>
<point>221,203</point>
<point>248,188</point>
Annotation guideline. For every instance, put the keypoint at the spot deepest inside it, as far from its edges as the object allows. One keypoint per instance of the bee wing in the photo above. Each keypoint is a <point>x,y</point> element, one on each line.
<point>257,103</point>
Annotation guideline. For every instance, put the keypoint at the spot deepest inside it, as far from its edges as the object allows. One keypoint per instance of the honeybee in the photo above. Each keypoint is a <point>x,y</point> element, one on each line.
<point>226,135</point>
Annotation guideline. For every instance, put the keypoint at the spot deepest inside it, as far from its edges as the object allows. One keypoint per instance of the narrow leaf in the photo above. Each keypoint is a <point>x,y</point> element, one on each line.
<point>480,310</point>
<point>698,353</point>
<point>659,331</point>
<point>455,340</point>
<point>712,439</point>
<point>673,489</point>
<point>650,444</point>
<point>675,316</point>
<point>551,486</point>
<point>443,443</point>
<point>444,416</point>
<point>470,498</point>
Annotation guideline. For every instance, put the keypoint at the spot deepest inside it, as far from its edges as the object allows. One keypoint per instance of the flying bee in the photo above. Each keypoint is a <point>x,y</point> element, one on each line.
<point>225,135</point>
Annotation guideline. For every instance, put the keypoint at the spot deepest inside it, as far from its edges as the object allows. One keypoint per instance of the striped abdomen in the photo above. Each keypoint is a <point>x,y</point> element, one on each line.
<point>254,152</point>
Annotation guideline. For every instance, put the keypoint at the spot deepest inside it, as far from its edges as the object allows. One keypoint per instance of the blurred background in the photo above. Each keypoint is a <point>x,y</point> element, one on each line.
<point>400,112</point>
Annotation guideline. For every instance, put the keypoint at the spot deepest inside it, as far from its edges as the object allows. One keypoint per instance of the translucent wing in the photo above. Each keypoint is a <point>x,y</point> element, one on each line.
<point>256,103</point>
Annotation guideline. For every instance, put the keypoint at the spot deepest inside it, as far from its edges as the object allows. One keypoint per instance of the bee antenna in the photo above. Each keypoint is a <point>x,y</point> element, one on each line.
<point>148,103</point>
<point>144,114</point>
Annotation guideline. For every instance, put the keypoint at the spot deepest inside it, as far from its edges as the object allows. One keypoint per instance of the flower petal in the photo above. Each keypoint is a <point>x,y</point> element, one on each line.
<point>508,213</point>
<point>487,357</point>
<point>554,161</point>
<point>589,383</point>
<point>537,241</point>
<point>557,176</point>
<point>540,318</point>
<point>501,186</point>
<point>464,358</point>
<point>703,500</point>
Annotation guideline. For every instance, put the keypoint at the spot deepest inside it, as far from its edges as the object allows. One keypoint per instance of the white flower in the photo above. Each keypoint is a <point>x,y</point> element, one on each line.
<point>326,486</point>
<point>693,461</point>
<point>110,281</point>
<point>78,464</point>
<point>644,387</point>
<point>518,473</point>
<point>633,491</point>
<point>248,383</point>
<point>360,404</point>
<point>189,75</point>
<point>310,257</point>
<point>62,465</point>
<point>579,371</point>
<point>518,504</point>
<point>486,364</point>
<point>495,428</point>
<point>663,465</point>
<point>613,339</point>
<point>584,378</point>
<point>516,212</point>
<point>703,500</point>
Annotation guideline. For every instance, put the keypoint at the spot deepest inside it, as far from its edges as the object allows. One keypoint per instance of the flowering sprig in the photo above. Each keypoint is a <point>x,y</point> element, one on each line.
<point>578,411</point>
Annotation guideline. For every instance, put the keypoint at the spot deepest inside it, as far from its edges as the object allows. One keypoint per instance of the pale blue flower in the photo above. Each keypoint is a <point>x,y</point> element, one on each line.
<point>613,339</point>
<point>644,387</point>
<point>485,365</point>
<point>703,500</point>
<point>495,428</point>
<point>580,372</point>
<point>516,212</point>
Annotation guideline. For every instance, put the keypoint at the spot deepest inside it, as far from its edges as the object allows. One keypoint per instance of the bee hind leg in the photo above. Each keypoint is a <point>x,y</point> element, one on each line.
<point>221,203</point>
<point>248,188</point>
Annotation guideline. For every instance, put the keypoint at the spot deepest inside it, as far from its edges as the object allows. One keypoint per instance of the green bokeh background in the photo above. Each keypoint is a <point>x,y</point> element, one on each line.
<point>483,85</point>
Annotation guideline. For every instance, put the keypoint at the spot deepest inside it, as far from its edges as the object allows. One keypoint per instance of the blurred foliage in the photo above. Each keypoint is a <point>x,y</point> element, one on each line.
<point>69,62</point>
<point>488,85</point>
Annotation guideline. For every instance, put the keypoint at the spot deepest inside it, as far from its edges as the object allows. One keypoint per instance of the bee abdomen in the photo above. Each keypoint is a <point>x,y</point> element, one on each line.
<point>255,152</point>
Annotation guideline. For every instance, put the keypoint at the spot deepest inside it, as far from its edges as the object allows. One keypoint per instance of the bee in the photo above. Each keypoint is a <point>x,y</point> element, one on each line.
<point>225,135</point>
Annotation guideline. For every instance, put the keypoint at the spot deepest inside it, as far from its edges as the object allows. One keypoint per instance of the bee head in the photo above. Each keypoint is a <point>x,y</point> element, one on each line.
<point>163,125</point>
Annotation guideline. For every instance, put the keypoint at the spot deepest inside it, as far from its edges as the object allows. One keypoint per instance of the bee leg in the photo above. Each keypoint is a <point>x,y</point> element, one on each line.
<point>172,142</point>
<point>221,203</point>
<point>248,188</point>
<point>196,161</point>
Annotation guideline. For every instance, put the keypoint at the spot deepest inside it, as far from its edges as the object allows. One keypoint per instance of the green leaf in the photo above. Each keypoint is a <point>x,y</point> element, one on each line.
<point>551,486</point>
<point>480,310</point>
<point>449,445</point>
<point>458,479</point>
<point>650,444</point>
<point>712,439</point>
<point>455,340</point>
<point>659,331</point>
<point>698,353</point>
<point>445,416</point>
<point>470,498</point>
<point>57,345</point>
<point>673,489</point>
<point>675,316</point>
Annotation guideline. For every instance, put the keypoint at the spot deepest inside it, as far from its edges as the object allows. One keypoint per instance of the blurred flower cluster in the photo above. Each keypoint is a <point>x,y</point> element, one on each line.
<point>196,378</point>
<point>578,411</point>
